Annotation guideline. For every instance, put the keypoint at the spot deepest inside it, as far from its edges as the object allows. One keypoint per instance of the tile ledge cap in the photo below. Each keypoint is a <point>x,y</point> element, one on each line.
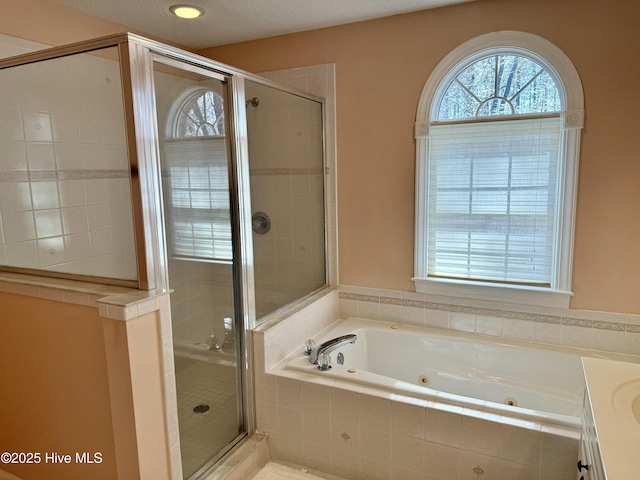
<point>112,296</point>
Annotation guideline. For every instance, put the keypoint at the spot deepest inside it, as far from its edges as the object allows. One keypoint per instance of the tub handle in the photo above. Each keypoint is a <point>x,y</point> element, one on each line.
<point>309,346</point>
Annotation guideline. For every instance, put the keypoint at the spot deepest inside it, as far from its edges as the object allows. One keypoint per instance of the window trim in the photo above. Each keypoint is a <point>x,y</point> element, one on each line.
<point>572,101</point>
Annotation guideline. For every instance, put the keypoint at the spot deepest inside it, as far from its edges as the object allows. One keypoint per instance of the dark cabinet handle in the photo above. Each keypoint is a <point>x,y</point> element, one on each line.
<point>582,466</point>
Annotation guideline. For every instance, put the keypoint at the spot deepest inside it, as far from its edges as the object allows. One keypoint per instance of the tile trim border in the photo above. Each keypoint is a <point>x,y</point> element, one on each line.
<point>509,314</point>
<point>607,332</point>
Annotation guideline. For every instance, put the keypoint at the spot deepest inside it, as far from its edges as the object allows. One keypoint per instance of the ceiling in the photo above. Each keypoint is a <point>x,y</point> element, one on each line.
<point>231,21</point>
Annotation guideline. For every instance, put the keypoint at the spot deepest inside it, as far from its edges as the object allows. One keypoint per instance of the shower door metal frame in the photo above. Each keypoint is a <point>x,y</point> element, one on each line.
<point>141,52</point>
<point>142,56</point>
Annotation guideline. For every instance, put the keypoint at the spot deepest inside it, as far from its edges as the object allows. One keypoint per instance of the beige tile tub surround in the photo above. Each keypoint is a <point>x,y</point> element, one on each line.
<point>367,434</point>
<point>363,433</point>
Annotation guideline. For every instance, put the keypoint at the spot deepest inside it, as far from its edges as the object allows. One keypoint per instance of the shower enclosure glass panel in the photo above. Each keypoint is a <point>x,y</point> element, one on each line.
<point>65,194</point>
<point>193,124</point>
<point>286,161</point>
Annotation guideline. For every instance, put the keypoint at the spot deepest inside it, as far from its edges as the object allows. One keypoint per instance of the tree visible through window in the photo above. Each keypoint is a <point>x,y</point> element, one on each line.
<point>492,166</point>
<point>500,85</point>
<point>492,184</point>
<point>202,115</point>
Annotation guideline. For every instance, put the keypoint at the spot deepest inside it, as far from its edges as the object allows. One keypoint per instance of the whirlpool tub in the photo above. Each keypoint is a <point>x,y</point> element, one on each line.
<point>518,380</point>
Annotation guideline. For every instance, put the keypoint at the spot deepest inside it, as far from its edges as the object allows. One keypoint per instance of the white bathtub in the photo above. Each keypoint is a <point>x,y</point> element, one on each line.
<point>459,369</point>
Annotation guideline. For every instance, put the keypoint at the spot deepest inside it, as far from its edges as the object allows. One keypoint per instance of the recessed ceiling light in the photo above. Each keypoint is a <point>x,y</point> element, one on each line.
<point>186,11</point>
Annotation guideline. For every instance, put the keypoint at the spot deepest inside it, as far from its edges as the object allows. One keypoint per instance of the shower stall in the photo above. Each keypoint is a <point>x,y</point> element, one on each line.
<point>132,163</point>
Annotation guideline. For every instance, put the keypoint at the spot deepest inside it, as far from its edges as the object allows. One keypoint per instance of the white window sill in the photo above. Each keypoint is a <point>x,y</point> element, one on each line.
<point>499,293</point>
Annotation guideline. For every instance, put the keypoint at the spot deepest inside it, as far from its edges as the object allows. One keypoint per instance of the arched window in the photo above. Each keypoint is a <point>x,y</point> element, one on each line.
<point>498,130</point>
<point>499,84</point>
<point>195,154</point>
<point>200,114</point>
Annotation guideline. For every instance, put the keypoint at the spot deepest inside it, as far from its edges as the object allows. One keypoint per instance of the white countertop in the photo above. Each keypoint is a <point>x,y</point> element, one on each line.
<point>611,386</point>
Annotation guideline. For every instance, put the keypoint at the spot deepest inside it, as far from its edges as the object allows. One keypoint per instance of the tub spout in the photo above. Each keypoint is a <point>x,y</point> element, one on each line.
<point>330,346</point>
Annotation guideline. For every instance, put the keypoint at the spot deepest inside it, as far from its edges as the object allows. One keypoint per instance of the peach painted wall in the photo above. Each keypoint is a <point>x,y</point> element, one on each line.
<point>54,389</point>
<point>74,382</point>
<point>51,23</point>
<point>381,68</point>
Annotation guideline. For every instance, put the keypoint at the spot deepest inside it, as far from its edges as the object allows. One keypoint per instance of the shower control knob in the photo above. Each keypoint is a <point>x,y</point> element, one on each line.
<point>261,223</point>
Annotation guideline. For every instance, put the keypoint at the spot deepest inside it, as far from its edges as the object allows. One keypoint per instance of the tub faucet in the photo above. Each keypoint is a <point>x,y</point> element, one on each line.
<point>330,345</point>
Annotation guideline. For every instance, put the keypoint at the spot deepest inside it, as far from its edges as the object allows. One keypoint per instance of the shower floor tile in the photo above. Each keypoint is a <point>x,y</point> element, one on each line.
<point>202,435</point>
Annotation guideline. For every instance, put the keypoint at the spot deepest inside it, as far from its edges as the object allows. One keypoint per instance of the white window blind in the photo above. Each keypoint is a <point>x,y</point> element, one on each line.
<point>492,200</point>
<point>198,196</point>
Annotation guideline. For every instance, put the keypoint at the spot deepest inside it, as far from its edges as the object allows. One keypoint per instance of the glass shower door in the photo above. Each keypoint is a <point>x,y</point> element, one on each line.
<point>194,132</point>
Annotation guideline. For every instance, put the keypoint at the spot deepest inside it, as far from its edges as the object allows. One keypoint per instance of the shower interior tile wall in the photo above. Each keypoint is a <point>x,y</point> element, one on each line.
<point>65,202</point>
